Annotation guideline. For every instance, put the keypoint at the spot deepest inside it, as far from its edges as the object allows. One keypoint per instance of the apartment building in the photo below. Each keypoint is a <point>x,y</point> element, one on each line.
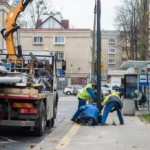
<point>112,52</point>
<point>71,45</point>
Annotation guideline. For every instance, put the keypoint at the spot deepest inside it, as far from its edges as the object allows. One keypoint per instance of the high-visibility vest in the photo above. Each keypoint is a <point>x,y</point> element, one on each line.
<point>83,94</point>
<point>112,98</point>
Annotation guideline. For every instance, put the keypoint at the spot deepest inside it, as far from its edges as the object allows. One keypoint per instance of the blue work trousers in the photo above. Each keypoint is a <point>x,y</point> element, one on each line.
<point>107,110</point>
<point>81,103</point>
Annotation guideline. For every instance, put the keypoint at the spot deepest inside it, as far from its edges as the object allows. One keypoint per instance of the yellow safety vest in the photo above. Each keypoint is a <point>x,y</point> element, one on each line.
<point>83,94</point>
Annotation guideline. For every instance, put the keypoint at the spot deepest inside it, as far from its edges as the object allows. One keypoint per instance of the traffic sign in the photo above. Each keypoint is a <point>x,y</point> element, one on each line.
<point>102,57</point>
<point>61,73</point>
<point>143,80</point>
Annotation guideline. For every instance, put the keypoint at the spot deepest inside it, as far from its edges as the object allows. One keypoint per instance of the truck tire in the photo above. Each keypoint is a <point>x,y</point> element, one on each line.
<point>39,131</point>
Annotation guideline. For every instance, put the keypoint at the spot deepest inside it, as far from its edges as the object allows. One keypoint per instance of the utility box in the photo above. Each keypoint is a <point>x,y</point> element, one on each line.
<point>128,107</point>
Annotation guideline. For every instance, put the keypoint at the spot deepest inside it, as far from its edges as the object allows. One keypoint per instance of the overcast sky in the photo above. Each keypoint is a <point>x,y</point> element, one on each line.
<point>81,12</point>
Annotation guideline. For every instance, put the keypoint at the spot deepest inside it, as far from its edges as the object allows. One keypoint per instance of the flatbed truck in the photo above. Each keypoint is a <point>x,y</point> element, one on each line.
<point>22,105</point>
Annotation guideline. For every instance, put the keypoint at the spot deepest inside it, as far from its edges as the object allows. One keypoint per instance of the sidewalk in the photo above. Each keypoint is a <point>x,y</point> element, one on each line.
<point>134,135</point>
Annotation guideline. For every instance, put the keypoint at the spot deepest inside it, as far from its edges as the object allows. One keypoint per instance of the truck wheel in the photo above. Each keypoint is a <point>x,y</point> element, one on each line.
<point>39,131</point>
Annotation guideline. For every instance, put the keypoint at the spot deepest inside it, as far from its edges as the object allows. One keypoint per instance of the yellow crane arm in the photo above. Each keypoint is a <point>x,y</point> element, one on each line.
<point>10,26</point>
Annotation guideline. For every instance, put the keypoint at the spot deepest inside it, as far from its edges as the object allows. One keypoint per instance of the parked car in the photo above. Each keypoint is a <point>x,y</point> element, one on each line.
<point>108,86</point>
<point>104,91</point>
<point>72,89</point>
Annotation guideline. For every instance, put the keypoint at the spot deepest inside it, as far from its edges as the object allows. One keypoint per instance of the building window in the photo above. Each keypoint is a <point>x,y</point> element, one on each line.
<point>111,51</point>
<point>111,61</point>
<point>59,55</point>
<point>112,41</point>
<point>38,40</point>
<point>59,40</point>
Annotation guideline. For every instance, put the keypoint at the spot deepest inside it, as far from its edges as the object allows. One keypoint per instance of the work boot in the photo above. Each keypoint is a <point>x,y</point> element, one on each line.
<point>73,119</point>
<point>122,123</point>
<point>78,121</point>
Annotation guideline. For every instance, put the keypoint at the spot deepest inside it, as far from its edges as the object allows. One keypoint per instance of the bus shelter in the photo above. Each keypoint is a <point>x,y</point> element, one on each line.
<point>142,69</point>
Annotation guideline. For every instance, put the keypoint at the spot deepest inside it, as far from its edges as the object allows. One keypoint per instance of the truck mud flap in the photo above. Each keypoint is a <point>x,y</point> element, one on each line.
<point>1,113</point>
<point>17,123</point>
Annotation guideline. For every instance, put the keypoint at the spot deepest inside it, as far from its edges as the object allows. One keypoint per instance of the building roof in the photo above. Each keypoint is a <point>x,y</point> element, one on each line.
<point>134,64</point>
<point>40,24</point>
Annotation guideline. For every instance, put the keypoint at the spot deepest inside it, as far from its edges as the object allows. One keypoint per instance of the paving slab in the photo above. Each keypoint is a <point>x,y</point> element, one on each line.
<point>134,135</point>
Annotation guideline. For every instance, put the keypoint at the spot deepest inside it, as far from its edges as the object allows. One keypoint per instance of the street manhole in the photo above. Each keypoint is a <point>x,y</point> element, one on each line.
<point>5,140</point>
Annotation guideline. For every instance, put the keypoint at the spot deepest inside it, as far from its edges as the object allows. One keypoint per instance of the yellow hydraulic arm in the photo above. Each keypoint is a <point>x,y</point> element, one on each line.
<point>10,27</point>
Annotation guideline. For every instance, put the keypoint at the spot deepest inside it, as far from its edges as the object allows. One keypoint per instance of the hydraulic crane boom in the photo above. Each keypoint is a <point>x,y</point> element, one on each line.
<point>10,27</point>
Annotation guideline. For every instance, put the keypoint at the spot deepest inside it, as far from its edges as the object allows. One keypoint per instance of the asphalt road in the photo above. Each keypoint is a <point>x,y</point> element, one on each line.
<point>21,139</point>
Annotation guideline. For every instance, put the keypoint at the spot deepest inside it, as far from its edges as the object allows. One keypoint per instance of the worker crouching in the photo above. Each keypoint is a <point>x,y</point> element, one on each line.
<point>112,102</point>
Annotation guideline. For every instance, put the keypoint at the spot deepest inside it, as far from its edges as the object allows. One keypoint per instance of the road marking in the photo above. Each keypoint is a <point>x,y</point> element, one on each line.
<point>4,140</point>
<point>67,138</point>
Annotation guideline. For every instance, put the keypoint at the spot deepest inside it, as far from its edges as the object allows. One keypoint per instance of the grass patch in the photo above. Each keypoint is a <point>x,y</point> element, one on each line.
<point>145,117</point>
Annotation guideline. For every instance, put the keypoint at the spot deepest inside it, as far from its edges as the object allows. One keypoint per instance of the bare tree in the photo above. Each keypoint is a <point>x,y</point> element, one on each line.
<point>132,20</point>
<point>38,7</point>
<point>33,12</point>
<point>143,36</point>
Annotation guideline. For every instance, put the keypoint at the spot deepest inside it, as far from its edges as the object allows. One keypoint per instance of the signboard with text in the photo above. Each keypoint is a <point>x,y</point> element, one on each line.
<point>143,80</point>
